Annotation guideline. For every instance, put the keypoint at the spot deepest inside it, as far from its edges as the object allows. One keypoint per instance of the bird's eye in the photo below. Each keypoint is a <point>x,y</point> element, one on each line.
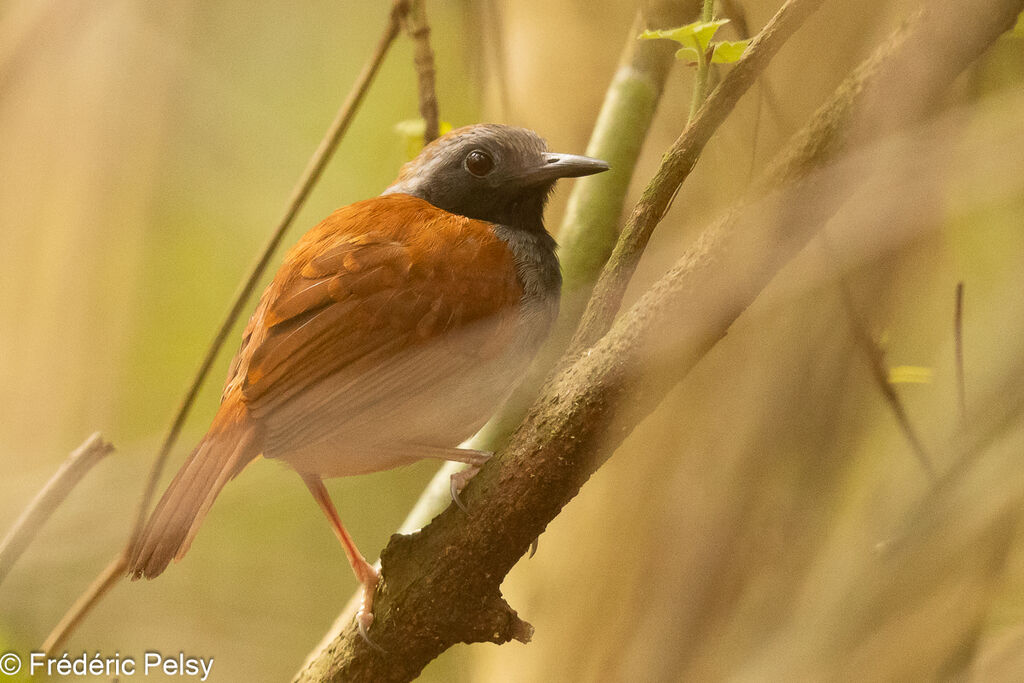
<point>479,163</point>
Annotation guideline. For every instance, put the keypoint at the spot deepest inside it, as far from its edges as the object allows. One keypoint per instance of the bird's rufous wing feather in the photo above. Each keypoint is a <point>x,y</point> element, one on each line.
<point>373,279</point>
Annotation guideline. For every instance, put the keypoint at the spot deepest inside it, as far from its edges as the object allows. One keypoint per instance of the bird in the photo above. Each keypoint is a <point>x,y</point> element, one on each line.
<point>390,333</point>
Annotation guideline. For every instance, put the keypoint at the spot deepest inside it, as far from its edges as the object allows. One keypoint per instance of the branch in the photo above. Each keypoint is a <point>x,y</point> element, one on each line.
<point>425,604</point>
<point>49,498</point>
<point>415,21</point>
<point>677,165</point>
<point>586,237</point>
<point>303,187</point>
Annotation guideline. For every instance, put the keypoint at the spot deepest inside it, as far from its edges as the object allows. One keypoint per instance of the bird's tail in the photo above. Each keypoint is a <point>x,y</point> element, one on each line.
<point>168,533</point>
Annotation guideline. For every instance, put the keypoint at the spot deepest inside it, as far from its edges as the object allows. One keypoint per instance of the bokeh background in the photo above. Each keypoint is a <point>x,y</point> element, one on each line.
<point>146,150</point>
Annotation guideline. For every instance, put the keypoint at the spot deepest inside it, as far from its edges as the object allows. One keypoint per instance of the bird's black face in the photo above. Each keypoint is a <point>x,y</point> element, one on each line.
<point>491,172</point>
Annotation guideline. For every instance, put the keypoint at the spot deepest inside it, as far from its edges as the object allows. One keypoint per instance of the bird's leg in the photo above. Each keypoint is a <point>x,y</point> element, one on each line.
<point>469,456</point>
<point>473,458</point>
<point>365,572</point>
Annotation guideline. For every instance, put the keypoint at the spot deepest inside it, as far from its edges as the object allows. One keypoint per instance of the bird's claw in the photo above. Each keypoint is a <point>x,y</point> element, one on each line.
<point>453,489</point>
<point>363,621</point>
<point>458,481</point>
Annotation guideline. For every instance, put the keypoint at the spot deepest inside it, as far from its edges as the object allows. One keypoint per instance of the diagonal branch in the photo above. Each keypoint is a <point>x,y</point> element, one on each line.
<point>427,605</point>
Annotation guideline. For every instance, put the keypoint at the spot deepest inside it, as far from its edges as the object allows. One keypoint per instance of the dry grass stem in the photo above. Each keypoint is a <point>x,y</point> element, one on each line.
<point>49,498</point>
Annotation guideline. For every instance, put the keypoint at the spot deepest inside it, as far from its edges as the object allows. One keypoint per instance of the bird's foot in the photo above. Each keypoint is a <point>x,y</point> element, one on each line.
<point>369,576</point>
<point>459,480</point>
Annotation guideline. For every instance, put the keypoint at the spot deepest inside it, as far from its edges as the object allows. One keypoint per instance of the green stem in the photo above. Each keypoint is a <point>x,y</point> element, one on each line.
<point>700,84</point>
<point>707,11</point>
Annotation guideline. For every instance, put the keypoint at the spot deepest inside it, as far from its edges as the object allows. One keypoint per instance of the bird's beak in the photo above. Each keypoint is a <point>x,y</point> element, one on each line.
<point>557,166</point>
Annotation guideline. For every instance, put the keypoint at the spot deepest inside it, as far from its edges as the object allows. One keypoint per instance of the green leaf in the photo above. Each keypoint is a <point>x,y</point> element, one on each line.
<point>910,374</point>
<point>707,31</point>
<point>688,54</point>
<point>729,51</point>
<point>695,36</point>
<point>411,131</point>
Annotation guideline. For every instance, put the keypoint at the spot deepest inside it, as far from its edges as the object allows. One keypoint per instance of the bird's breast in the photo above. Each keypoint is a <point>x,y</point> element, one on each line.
<point>539,276</point>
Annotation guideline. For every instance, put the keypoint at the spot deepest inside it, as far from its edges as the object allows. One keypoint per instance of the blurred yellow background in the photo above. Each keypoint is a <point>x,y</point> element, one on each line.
<point>146,150</point>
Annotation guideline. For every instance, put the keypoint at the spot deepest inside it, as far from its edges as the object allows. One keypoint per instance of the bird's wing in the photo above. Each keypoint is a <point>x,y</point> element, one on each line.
<point>373,280</point>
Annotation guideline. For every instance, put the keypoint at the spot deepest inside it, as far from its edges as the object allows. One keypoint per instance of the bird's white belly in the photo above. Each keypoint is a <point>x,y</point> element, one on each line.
<point>433,396</point>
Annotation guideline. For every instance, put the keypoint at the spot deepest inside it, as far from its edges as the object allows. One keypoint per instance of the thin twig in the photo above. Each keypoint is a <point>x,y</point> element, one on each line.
<point>99,587</point>
<point>305,184</point>
<point>880,373</point>
<point>49,498</point>
<point>958,341</point>
<point>84,604</point>
<point>676,166</point>
<point>423,56</point>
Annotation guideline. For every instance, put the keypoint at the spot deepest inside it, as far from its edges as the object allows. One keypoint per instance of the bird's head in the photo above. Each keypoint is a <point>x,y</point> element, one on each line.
<point>491,172</point>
